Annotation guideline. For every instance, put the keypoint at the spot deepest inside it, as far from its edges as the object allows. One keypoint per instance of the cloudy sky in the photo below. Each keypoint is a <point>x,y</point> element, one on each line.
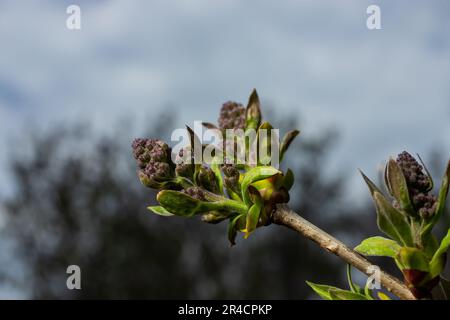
<point>385,90</point>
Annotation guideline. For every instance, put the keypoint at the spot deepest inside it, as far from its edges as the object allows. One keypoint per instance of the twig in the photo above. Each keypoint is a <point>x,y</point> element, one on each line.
<point>285,216</point>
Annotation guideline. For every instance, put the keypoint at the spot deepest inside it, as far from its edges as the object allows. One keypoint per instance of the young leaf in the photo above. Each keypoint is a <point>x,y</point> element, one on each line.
<point>265,143</point>
<point>184,205</point>
<point>254,212</point>
<point>179,203</point>
<point>233,227</point>
<point>253,112</point>
<point>397,186</point>
<point>321,289</point>
<point>378,246</point>
<point>391,221</point>
<point>339,294</point>
<point>438,261</point>
<point>253,175</point>
<point>286,142</point>
<point>413,259</point>
<point>252,219</point>
<point>288,180</point>
<point>160,210</point>
<point>215,167</point>
<point>370,184</point>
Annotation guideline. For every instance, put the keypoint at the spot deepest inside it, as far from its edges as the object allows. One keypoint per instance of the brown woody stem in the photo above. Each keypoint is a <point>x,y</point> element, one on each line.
<point>285,216</point>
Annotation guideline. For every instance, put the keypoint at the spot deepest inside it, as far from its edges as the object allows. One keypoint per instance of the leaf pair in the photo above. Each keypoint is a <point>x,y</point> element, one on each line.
<point>252,199</point>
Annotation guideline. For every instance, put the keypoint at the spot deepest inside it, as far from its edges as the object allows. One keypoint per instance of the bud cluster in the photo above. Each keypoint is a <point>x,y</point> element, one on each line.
<point>243,193</point>
<point>153,160</point>
<point>419,185</point>
<point>232,116</point>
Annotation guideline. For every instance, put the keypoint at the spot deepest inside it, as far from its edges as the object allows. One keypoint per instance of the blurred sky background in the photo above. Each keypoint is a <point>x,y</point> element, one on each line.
<point>384,90</point>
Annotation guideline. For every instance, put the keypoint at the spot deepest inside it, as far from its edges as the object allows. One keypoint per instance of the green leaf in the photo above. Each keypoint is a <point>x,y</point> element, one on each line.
<point>253,175</point>
<point>234,225</point>
<point>332,293</point>
<point>286,142</point>
<point>339,294</point>
<point>265,143</point>
<point>396,183</point>
<point>372,187</point>
<point>254,212</point>
<point>438,261</point>
<point>160,210</point>
<point>378,246</point>
<point>184,205</point>
<point>442,198</point>
<point>253,112</point>
<point>430,244</point>
<point>288,180</point>
<point>321,289</point>
<point>413,259</point>
<point>391,221</point>
<point>215,167</point>
<point>180,204</point>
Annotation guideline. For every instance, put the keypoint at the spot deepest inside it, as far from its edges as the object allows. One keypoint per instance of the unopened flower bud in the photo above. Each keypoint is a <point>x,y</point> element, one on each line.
<point>231,179</point>
<point>153,159</point>
<point>185,168</point>
<point>418,184</point>
<point>195,192</point>
<point>232,116</point>
<point>207,179</point>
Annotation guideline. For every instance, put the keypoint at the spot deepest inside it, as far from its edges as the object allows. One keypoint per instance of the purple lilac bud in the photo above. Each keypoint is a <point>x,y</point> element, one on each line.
<point>150,150</point>
<point>418,185</point>
<point>187,168</point>
<point>231,179</point>
<point>230,170</point>
<point>153,159</point>
<point>207,179</point>
<point>232,116</point>
<point>195,192</point>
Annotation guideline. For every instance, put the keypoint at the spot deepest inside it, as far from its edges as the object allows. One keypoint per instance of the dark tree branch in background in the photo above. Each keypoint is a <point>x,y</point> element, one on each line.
<point>285,216</point>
